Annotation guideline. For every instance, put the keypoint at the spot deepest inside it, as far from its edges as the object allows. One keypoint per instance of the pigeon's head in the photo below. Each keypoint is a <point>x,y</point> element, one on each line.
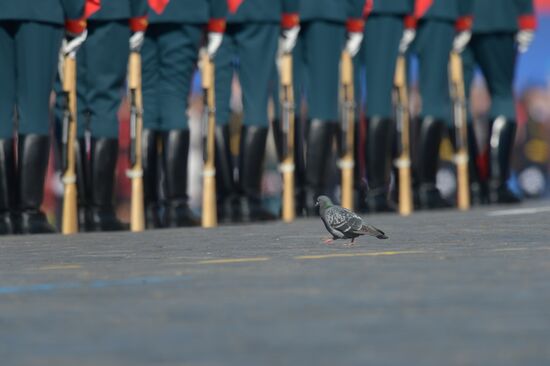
<point>323,202</point>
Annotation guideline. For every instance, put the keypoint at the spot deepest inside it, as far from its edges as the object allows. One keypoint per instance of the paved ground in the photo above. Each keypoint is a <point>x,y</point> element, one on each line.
<point>447,288</point>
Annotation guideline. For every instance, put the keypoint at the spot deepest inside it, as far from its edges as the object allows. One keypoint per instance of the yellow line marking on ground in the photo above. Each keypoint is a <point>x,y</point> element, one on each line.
<point>233,260</point>
<point>361,254</point>
<point>509,249</point>
<point>60,266</point>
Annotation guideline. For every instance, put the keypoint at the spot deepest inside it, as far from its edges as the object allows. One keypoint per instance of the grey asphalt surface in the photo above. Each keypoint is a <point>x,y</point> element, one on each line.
<point>446,288</point>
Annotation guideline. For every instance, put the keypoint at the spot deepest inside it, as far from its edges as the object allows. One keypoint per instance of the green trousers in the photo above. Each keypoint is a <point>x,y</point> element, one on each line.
<point>495,54</point>
<point>432,45</point>
<point>249,49</point>
<point>169,59</point>
<point>379,53</point>
<point>28,60</point>
<point>316,67</point>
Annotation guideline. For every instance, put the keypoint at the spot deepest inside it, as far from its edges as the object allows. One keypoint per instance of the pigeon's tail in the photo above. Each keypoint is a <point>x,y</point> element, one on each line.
<point>372,231</point>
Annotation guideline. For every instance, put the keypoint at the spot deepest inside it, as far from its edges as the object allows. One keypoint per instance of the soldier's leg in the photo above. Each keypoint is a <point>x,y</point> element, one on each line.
<point>433,45</point>
<point>478,188</point>
<point>7,104</point>
<point>299,78</point>
<point>359,185</point>
<point>106,62</point>
<point>496,54</point>
<point>324,43</point>
<point>178,50</point>
<point>37,46</point>
<point>256,48</point>
<point>382,35</point>
<point>226,187</point>
<point>151,124</point>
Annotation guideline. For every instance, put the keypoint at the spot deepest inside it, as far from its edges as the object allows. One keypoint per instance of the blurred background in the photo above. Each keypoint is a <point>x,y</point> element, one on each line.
<point>530,178</point>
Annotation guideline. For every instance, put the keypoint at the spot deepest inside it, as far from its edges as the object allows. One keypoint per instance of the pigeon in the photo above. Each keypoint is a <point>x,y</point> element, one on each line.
<point>343,223</point>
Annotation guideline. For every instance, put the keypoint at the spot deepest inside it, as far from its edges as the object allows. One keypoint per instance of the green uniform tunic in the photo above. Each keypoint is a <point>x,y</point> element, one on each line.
<point>30,37</point>
<point>432,46</point>
<point>493,49</point>
<point>317,54</point>
<point>169,58</point>
<point>249,47</point>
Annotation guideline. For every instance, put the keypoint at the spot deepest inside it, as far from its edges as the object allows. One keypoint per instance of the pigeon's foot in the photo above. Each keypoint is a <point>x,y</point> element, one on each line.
<point>328,241</point>
<point>349,245</point>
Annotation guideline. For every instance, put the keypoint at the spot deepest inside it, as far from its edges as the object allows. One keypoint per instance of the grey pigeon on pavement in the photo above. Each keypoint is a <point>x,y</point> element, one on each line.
<point>343,223</point>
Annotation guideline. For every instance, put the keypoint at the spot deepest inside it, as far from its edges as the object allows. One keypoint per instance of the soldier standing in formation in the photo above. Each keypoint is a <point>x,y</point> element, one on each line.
<point>443,25</point>
<point>325,26</point>
<point>30,39</point>
<point>101,72</point>
<point>389,30</point>
<point>501,29</point>
<point>169,59</point>
<point>250,48</point>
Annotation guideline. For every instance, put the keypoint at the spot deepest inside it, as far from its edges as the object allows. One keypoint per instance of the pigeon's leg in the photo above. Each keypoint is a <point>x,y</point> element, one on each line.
<point>350,244</point>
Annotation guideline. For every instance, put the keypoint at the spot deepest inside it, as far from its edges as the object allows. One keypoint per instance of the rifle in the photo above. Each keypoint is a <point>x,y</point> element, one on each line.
<point>347,102</point>
<point>209,214</point>
<point>287,167</point>
<point>69,224</point>
<point>137,216</point>
<point>403,161</point>
<point>461,130</point>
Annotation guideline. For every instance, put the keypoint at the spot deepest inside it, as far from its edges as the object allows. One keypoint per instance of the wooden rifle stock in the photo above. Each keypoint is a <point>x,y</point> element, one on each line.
<point>287,164</point>
<point>461,130</point>
<point>209,209</point>
<point>137,215</point>
<point>403,161</point>
<point>347,103</point>
<point>69,224</point>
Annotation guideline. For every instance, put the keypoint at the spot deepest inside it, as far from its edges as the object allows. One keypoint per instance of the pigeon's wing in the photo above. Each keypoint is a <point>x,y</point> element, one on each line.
<point>372,231</point>
<point>343,220</point>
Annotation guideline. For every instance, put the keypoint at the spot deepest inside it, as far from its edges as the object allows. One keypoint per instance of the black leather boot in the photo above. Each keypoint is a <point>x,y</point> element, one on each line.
<point>33,154</point>
<point>503,133</point>
<point>103,158</point>
<point>175,152</point>
<point>320,135</point>
<point>227,195</point>
<point>380,140</point>
<point>431,133</point>
<point>7,186</point>
<point>251,163</point>
<point>149,159</point>
<point>83,185</point>
<point>359,181</point>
